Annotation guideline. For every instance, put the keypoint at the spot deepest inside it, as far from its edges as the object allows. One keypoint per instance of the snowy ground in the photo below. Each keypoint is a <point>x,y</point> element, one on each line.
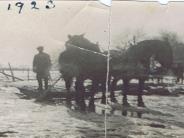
<point>162,118</point>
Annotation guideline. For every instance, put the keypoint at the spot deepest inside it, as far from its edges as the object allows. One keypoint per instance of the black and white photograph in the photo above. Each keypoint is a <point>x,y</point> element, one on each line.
<point>91,69</point>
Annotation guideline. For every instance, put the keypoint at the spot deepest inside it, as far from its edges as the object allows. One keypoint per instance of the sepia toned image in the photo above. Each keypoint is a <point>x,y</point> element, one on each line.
<point>85,69</point>
<point>147,70</point>
<point>42,50</point>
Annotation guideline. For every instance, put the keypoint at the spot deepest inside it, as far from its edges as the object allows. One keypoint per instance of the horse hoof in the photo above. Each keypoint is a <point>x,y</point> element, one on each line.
<point>124,113</point>
<point>141,104</point>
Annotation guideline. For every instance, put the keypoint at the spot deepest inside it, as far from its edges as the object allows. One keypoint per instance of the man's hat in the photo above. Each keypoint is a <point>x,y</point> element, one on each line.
<point>40,48</point>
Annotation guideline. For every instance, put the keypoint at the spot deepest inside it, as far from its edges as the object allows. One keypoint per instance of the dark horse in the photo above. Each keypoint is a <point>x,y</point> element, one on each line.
<point>134,64</point>
<point>83,60</point>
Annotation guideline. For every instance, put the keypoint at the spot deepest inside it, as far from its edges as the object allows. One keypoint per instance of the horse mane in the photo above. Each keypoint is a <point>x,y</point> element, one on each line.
<point>80,41</point>
<point>135,60</point>
<point>143,50</point>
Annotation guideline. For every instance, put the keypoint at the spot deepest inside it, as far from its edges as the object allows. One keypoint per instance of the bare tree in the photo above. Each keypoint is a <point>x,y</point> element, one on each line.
<point>171,37</point>
<point>176,44</point>
<point>125,40</point>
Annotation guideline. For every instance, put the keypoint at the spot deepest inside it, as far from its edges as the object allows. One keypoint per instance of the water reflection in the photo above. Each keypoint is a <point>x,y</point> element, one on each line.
<point>91,106</point>
<point>25,118</point>
<point>81,105</point>
<point>132,114</point>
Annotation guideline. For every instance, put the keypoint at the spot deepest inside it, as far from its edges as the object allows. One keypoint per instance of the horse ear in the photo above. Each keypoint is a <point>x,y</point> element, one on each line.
<point>69,36</point>
<point>82,35</point>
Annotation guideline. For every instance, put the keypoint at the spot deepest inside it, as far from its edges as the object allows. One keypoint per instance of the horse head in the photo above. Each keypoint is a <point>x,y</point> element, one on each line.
<point>79,41</point>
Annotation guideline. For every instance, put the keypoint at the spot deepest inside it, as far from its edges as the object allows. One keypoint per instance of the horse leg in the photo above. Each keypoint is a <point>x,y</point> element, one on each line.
<point>177,80</point>
<point>152,79</point>
<point>112,88</point>
<point>68,83</point>
<point>92,94</point>
<point>158,80</point>
<point>103,92</point>
<point>125,90</point>
<point>80,93</point>
<point>162,80</point>
<point>140,100</point>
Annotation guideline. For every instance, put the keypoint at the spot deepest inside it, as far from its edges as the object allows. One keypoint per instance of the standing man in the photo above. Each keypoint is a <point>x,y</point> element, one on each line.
<point>41,66</point>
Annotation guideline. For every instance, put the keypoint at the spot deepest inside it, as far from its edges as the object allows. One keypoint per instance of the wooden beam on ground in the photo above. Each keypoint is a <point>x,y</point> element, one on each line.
<point>5,75</point>
<point>11,76</point>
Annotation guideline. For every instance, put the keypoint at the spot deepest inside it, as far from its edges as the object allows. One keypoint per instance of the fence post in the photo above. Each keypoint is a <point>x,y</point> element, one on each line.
<point>12,74</point>
<point>28,74</point>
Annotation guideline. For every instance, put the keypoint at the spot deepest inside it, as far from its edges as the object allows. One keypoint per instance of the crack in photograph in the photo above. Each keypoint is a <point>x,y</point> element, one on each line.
<point>88,69</point>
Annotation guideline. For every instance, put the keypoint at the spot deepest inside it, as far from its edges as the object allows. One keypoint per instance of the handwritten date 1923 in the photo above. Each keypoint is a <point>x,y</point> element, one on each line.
<point>33,5</point>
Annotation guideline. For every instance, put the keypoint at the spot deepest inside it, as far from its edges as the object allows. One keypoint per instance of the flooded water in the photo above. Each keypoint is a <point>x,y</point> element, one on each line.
<point>162,118</point>
<point>24,118</point>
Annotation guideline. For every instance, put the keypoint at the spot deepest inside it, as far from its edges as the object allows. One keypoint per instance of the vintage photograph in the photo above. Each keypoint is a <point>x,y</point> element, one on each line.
<point>85,69</point>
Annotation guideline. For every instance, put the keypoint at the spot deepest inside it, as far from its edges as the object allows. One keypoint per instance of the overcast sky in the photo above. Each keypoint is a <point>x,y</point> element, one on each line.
<point>21,33</point>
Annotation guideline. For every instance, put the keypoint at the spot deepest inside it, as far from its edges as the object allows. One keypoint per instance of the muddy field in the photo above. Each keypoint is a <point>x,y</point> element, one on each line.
<point>20,117</point>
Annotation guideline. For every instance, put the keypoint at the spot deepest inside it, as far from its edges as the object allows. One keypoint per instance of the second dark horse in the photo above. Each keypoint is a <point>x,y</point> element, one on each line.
<point>134,63</point>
